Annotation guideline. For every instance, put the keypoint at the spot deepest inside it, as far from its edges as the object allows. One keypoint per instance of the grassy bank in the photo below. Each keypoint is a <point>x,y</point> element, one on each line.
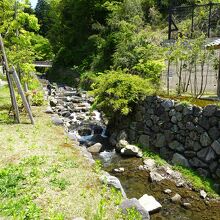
<point>190,175</point>
<point>42,175</point>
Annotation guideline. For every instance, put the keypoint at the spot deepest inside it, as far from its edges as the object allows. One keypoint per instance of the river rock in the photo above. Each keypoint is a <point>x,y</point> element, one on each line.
<point>57,121</point>
<point>131,151</point>
<point>176,198</point>
<point>149,203</point>
<point>134,203</point>
<point>120,170</point>
<point>96,148</point>
<point>121,144</point>
<point>106,178</point>
<point>179,159</point>
<point>203,194</point>
<point>53,102</point>
<point>49,110</point>
<point>167,191</point>
<point>149,164</point>
<point>187,205</point>
<point>155,176</point>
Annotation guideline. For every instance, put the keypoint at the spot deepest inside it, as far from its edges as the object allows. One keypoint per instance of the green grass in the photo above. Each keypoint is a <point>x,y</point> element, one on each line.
<point>42,175</point>
<point>197,181</point>
<point>190,175</point>
<point>149,154</point>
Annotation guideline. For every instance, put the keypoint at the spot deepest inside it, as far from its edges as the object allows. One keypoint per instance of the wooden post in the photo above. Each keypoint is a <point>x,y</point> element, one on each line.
<point>218,82</point>
<point>28,97</point>
<point>10,84</point>
<point>21,92</point>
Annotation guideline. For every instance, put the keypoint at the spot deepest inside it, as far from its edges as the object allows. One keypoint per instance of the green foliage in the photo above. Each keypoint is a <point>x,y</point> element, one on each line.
<point>97,167</point>
<point>117,91</point>
<point>132,214</point>
<point>61,183</point>
<point>19,28</point>
<point>87,79</point>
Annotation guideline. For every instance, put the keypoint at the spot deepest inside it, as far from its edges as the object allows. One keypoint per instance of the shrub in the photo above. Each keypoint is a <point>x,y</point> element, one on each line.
<point>87,79</point>
<point>117,91</point>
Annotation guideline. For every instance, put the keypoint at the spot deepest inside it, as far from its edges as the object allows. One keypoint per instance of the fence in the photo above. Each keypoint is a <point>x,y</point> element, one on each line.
<point>196,18</point>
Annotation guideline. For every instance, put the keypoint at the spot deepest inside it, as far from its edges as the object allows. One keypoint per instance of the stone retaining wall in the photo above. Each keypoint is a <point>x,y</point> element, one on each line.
<point>185,135</point>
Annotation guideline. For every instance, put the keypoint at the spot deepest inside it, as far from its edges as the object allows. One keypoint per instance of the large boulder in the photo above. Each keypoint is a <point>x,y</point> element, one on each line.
<point>149,203</point>
<point>135,204</point>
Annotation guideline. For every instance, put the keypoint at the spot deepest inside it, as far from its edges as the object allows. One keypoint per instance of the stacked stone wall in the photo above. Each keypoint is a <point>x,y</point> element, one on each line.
<point>183,134</point>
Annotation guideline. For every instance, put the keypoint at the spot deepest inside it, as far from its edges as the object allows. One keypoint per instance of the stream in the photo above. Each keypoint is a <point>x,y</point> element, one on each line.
<point>73,108</point>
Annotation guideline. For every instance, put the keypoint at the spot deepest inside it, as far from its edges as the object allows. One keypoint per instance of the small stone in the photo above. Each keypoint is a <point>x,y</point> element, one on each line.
<point>130,151</point>
<point>150,203</point>
<point>167,191</point>
<point>155,177</point>
<point>119,170</point>
<point>176,198</point>
<point>187,205</point>
<point>203,194</point>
